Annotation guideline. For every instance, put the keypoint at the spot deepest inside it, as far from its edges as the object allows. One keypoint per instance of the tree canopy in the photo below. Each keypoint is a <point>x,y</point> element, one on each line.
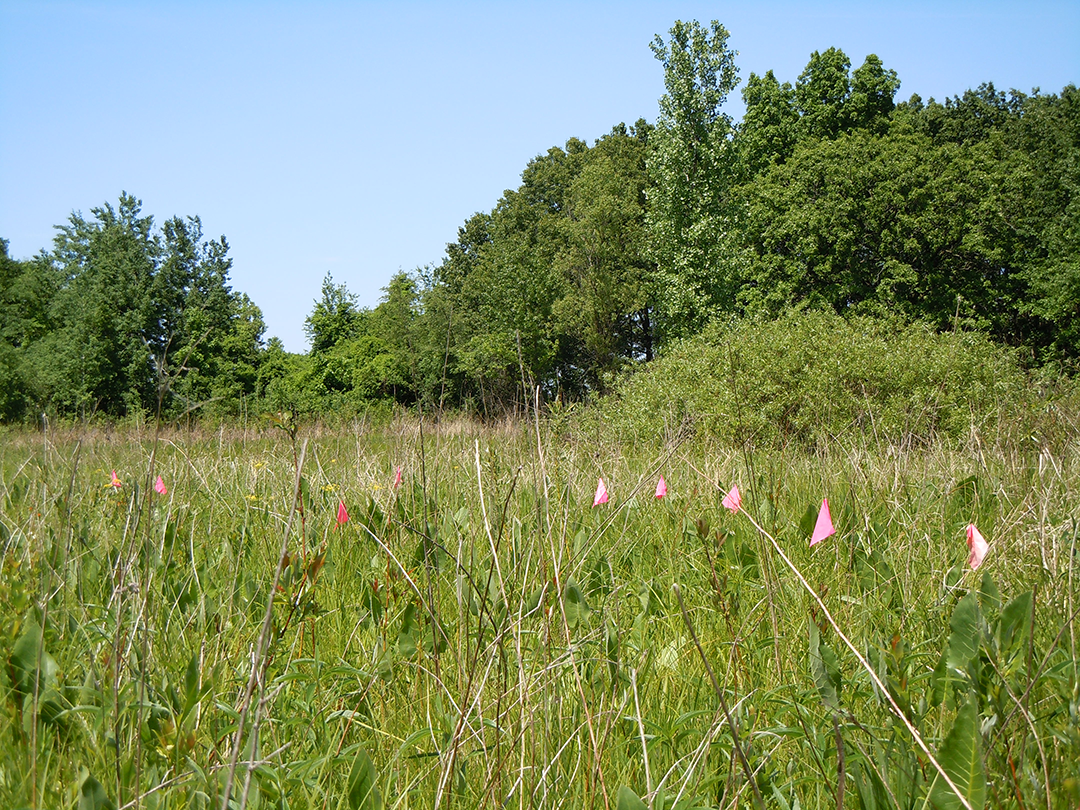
<point>828,194</point>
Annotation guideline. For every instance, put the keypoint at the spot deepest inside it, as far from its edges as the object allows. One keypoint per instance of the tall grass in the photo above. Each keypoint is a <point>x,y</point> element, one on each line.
<point>481,636</point>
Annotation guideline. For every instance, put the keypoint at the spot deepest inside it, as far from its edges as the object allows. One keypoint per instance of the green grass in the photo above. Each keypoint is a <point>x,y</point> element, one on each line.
<point>483,637</point>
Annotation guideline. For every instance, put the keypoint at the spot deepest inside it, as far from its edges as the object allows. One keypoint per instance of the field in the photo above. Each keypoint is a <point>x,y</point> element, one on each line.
<point>480,635</point>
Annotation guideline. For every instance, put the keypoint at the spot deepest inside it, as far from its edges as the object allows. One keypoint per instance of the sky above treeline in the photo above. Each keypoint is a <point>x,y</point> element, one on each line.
<point>354,138</point>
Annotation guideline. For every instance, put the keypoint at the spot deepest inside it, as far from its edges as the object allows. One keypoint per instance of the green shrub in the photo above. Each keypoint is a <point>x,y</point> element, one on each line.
<point>807,377</point>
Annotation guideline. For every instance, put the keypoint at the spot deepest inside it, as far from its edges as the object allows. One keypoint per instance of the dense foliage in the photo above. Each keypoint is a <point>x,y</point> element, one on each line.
<point>828,195</point>
<point>810,377</point>
<point>122,318</point>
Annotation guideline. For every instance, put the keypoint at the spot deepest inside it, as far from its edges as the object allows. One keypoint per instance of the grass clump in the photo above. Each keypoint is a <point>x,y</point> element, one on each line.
<point>811,377</point>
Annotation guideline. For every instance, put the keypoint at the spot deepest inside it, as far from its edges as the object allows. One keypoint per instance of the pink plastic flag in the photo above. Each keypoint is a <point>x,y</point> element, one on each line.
<point>397,478</point>
<point>733,500</point>
<point>115,482</point>
<point>342,514</point>
<point>978,545</point>
<point>823,528</point>
<point>661,487</point>
<point>159,486</point>
<point>601,493</point>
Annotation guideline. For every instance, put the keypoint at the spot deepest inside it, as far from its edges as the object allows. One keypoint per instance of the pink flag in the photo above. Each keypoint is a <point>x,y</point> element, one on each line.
<point>661,487</point>
<point>823,528</point>
<point>978,545</point>
<point>601,493</point>
<point>115,482</point>
<point>159,486</point>
<point>733,500</point>
<point>342,514</point>
<point>397,478</point>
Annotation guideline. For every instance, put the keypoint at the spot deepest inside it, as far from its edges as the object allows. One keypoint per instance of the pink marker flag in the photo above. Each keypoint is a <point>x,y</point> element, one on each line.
<point>978,545</point>
<point>342,514</point>
<point>159,486</point>
<point>601,493</point>
<point>397,478</point>
<point>823,528</point>
<point>733,500</point>
<point>661,487</point>
<point>115,482</point>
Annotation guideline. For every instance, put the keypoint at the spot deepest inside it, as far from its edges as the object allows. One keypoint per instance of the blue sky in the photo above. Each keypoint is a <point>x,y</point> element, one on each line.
<point>355,138</point>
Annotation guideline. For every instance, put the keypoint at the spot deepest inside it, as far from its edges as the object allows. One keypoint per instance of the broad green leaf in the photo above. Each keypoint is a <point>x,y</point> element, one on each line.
<point>964,638</point>
<point>961,757</point>
<point>30,664</point>
<point>649,597</point>
<point>191,682</point>
<point>809,518</point>
<point>1015,624</point>
<point>577,609</point>
<point>363,791</point>
<point>989,595</point>
<point>939,679</point>
<point>92,795</point>
<point>869,787</point>
<point>406,640</point>
<point>628,800</point>
<point>611,648</point>
<point>535,599</point>
<point>825,668</point>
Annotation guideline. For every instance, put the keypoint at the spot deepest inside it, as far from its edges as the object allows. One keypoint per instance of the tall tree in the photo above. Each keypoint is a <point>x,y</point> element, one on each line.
<point>104,351</point>
<point>769,127</point>
<point>141,317</point>
<point>691,171</point>
<point>606,308</point>
<point>334,318</point>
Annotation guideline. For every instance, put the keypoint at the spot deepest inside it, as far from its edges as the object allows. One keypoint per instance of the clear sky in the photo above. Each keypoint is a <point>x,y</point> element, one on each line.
<point>356,137</point>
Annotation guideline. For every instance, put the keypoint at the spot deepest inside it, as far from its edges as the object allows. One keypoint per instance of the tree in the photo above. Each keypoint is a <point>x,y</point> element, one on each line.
<point>129,318</point>
<point>605,310</point>
<point>872,92</point>
<point>104,349</point>
<point>821,93</point>
<point>769,128</point>
<point>884,224</point>
<point>691,171</point>
<point>334,318</point>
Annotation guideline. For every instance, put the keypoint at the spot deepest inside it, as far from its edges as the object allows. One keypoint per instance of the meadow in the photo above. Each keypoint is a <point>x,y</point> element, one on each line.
<point>284,623</point>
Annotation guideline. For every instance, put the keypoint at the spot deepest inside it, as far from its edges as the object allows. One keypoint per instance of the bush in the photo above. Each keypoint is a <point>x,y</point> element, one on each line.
<point>808,377</point>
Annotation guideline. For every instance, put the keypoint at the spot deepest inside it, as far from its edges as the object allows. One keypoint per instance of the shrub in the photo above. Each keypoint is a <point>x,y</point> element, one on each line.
<point>807,377</point>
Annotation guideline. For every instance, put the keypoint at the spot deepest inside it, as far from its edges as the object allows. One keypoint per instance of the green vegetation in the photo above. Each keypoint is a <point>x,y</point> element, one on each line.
<point>811,378</point>
<point>481,636</point>
<point>827,196</point>
<point>370,576</point>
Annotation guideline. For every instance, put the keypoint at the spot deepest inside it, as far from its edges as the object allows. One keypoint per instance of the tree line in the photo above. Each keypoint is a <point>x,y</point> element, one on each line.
<point>828,194</point>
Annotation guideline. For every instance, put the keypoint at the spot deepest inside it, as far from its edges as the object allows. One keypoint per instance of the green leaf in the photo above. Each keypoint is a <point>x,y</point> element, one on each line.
<point>939,678</point>
<point>1015,624</point>
<point>30,663</point>
<point>406,640</point>
<point>191,682</point>
<point>961,757</point>
<point>577,609</point>
<point>611,648</point>
<point>535,599</point>
<point>809,518</point>
<point>628,800</point>
<point>649,597</point>
<point>825,668</point>
<point>989,595</point>
<point>92,795</point>
<point>363,792</point>
<point>964,639</point>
